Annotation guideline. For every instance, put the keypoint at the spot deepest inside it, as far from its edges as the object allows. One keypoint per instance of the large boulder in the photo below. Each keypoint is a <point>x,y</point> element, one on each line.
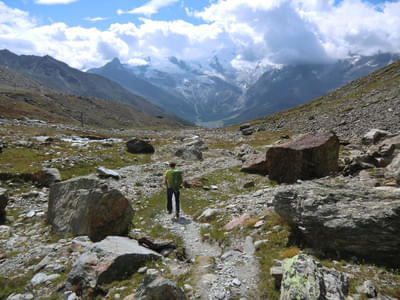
<point>310,156</point>
<point>304,278</point>
<point>160,289</point>
<point>343,219</point>
<point>46,177</point>
<point>114,258</point>
<point>139,146</point>
<point>86,206</point>
<point>3,203</point>
<point>393,170</point>
<point>189,154</point>
<point>255,163</point>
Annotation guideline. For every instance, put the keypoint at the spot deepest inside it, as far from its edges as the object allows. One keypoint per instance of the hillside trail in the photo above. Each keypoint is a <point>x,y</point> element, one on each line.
<point>217,273</point>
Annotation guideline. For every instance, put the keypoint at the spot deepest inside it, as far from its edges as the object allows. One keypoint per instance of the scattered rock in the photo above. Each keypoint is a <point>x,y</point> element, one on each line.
<point>249,184</point>
<point>40,278</point>
<point>208,214</point>
<point>160,289</point>
<point>304,278</point>
<point>344,219</point>
<point>243,150</point>
<point>85,206</point>
<point>248,131</point>
<point>114,258</point>
<point>189,154</point>
<point>244,126</point>
<point>139,146</point>
<point>195,182</point>
<point>236,222</point>
<point>310,156</point>
<point>106,173</point>
<point>46,177</point>
<point>368,289</point>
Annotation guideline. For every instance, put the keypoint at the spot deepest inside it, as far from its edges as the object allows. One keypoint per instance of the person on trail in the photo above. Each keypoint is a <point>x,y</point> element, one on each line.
<point>173,181</point>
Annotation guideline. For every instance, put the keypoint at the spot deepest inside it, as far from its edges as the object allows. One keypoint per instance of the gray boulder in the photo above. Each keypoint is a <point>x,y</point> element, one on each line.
<point>374,136</point>
<point>304,278</point>
<point>139,146</point>
<point>160,289</point>
<point>46,177</point>
<point>189,154</point>
<point>114,258</point>
<point>243,150</point>
<point>313,155</point>
<point>3,203</point>
<point>86,206</point>
<point>343,219</point>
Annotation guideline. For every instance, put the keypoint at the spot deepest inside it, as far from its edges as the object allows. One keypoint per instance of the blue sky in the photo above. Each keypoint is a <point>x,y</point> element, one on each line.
<point>246,33</point>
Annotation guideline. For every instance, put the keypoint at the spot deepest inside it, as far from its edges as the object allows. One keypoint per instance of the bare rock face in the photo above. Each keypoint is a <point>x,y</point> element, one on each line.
<point>85,206</point>
<point>114,258</point>
<point>344,219</point>
<point>310,156</point>
<point>3,203</point>
<point>139,146</point>
<point>255,163</point>
<point>46,177</point>
<point>304,278</point>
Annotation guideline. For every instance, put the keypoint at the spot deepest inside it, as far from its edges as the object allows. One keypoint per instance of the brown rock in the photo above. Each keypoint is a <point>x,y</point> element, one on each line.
<point>157,244</point>
<point>255,163</point>
<point>236,222</point>
<point>195,182</point>
<point>310,156</point>
<point>3,203</point>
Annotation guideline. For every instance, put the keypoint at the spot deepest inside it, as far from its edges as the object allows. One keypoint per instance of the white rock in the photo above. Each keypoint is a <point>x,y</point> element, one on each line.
<point>214,187</point>
<point>236,282</point>
<point>259,224</point>
<point>5,232</point>
<point>30,214</point>
<point>260,242</point>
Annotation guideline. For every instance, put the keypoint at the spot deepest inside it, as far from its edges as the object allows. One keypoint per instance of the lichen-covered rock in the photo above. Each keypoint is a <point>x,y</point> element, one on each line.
<point>139,146</point>
<point>344,219</point>
<point>114,258</point>
<point>310,156</point>
<point>46,177</point>
<point>86,206</point>
<point>189,153</point>
<point>304,278</point>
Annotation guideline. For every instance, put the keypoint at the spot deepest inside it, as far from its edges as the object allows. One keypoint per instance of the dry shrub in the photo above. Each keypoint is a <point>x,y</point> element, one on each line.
<point>290,252</point>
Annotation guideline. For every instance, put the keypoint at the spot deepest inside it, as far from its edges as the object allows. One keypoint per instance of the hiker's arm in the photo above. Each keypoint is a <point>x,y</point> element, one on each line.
<point>166,181</point>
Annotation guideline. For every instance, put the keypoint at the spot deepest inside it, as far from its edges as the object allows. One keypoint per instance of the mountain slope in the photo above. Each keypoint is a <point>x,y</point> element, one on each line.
<point>59,76</point>
<point>289,86</point>
<point>369,102</point>
<point>115,71</point>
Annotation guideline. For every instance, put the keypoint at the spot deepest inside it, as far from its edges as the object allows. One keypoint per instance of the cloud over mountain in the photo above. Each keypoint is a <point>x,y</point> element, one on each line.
<point>276,31</point>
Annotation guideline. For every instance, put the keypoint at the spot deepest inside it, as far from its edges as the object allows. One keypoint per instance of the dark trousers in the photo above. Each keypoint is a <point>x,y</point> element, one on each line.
<point>176,194</point>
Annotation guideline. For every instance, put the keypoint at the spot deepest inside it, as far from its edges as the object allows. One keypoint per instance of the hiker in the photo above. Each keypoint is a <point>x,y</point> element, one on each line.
<point>173,181</point>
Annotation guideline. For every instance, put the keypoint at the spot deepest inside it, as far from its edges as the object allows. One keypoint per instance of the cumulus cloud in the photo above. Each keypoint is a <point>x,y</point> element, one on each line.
<point>150,8</point>
<point>52,2</point>
<point>246,33</point>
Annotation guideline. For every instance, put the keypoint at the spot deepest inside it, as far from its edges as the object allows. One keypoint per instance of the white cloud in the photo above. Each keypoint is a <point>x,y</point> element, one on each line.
<point>95,19</point>
<point>247,32</point>
<point>52,2</point>
<point>149,8</point>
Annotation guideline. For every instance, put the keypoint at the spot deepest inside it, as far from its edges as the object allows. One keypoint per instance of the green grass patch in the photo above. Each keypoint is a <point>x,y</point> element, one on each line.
<point>267,252</point>
<point>14,284</point>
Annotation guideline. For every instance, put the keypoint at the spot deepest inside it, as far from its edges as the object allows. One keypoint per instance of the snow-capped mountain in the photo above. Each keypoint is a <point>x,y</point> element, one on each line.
<point>222,90</point>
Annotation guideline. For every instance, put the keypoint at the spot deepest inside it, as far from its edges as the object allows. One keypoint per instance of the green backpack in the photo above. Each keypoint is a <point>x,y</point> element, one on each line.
<point>176,179</point>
